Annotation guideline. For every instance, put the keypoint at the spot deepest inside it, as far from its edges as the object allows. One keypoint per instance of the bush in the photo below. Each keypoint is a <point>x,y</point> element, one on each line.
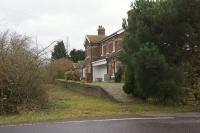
<point>68,75</point>
<point>129,85</point>
<point>152,77</point>
<point>20,80</point>
<point>58,67</point>
<point>189,97</point>
<point>118,75</point>
<point>171,87</point>
<point>72,75</point>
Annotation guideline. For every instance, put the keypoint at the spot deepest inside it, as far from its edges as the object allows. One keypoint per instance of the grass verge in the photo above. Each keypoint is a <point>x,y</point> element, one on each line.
<point>66,104</point>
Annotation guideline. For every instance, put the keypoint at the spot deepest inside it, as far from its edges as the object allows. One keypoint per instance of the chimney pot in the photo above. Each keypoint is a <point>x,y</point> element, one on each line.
<point>101,30</point>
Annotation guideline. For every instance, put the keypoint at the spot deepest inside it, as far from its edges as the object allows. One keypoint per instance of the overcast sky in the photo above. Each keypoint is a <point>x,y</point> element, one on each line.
<point>51,20</point>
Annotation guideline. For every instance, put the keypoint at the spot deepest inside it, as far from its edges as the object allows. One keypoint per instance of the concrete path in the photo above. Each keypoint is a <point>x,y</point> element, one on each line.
<point>115,90</point>
<point>118,94</point>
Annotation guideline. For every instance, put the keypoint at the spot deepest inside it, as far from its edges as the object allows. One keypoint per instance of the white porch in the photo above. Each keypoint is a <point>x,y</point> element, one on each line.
<point>99,69</point>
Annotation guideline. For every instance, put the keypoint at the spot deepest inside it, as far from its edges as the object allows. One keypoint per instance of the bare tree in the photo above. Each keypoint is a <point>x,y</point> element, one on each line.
<point>20,74</point>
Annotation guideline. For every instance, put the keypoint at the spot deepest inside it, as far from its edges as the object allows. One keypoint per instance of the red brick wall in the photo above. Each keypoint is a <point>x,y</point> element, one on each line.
<point>110,45</point>
<point>96,51</point>
<point>93,52</point>
<point>104,50</point>
<point>111,67</point>
<point>118,45</point>
<point>107,46</point>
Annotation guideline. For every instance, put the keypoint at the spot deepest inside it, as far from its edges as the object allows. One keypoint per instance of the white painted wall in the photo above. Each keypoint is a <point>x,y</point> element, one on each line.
<point>99,71</point>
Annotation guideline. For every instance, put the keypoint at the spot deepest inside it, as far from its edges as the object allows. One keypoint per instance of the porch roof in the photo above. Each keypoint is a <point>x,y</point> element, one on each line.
<point>99,62</point>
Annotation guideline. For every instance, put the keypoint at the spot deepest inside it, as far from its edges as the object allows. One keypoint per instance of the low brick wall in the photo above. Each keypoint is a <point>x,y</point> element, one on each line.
<point>85,89</point>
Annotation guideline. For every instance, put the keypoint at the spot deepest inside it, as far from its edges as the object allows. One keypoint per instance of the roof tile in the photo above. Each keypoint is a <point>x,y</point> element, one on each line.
<point>95,38</point>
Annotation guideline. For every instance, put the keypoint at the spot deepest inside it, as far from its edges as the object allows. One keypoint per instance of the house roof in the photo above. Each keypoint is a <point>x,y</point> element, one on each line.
<point>108,57</point>
<point>112,35</point>
<point>94,38</point>
<point>100,39</point>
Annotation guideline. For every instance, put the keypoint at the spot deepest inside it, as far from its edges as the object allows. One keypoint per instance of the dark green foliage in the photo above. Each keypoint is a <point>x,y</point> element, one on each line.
<point>129,86</point>
<point>172,25</point>
<point>155,77</point>
<point>170,88</point>
<point>149,70</point>
<point>152,77</point>
<point>172,28</point>
<point>77,55</point>
<point>118,75</point>
<point>59,51</point>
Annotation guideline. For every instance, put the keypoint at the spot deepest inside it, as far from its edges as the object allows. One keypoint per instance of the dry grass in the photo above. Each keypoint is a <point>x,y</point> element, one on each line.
<point>66,104</point>
<point>108,84</point>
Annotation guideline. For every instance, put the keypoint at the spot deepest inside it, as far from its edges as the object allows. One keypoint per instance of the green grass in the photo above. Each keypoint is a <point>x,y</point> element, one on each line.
<point>66,104</point>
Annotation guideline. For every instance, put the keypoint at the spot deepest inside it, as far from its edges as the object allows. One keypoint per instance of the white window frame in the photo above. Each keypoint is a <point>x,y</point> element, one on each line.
<point>113,47</point>
<point>102,50</point>
<point>120,40</point>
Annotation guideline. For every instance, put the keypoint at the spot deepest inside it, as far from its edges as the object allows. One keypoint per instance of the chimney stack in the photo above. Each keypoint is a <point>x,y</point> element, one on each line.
<point>101,31</point>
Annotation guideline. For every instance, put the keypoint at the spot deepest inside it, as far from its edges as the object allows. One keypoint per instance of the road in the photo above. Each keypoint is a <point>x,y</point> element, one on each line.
<point>164,124</point>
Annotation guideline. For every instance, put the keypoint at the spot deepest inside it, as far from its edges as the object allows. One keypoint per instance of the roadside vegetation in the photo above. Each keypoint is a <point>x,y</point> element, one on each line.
<point>20,75</point>
<point>63,65</point>
<point>161,51</point>
<point>161,55</point>
<point>57,68</point>
<point>77,55</point>
<point>70,105</point>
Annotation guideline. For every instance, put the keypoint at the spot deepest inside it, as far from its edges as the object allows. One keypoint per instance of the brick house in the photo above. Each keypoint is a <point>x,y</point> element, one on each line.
<point>102,53</point>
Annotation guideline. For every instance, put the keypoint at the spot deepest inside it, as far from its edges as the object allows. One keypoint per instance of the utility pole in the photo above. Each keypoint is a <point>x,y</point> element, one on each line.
<point>67,45</point>
<point>36,43</point>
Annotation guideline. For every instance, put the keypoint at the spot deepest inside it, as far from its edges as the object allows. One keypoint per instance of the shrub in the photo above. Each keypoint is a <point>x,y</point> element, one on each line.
<point>58,67</point>
<point>189,97</point>
<point>129,85</point>
<point>72,75</point>
<point>76,76</point>
<point>152,77</point>
<point>171,87</point>
<point>20,80</point>
<point>68,75</point>
<point>118,75</point>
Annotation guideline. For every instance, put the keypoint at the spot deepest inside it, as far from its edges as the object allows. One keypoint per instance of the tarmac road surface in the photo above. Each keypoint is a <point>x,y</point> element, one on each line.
<point>180,123</point>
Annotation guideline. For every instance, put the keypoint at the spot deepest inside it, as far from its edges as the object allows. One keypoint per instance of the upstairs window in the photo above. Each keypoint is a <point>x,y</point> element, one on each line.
<point>104,50</point>
<point>110,45</point>
<point>88,52</point>
<point>114,47</point>
<point>118,45</point>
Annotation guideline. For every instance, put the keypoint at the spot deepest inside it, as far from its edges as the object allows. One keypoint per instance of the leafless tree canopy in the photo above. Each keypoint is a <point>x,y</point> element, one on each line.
<point>57,68</point>
<point>20,79</point>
